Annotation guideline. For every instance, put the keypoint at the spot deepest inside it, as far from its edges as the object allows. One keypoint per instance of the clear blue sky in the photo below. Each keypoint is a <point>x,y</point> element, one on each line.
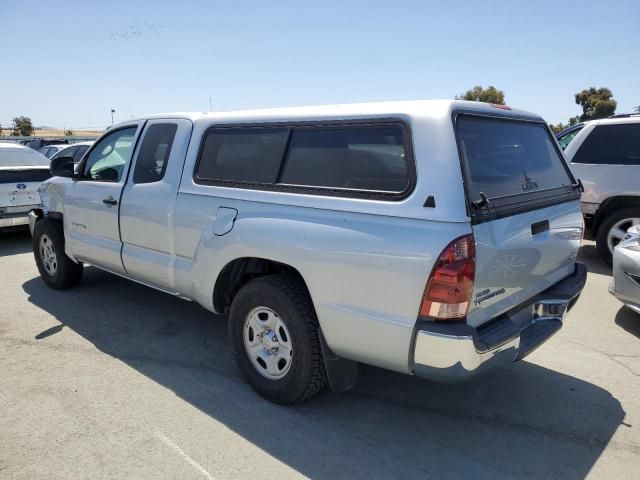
<point>66,63</point>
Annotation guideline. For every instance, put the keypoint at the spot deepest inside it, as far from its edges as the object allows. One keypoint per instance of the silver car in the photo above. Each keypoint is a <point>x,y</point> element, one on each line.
<point>605,156</point>
<point>626,270</point>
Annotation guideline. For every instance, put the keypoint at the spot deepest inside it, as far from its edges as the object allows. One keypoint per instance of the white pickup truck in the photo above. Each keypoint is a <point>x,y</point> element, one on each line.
<point>434,238</point>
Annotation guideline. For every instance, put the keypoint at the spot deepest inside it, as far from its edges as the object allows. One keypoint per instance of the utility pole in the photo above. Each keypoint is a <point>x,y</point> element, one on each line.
<point>210,105</point>
<point>112,112</point>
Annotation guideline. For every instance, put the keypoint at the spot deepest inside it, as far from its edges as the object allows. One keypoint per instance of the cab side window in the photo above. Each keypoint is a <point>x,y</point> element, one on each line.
<point>154,153</point>
<point>107,159</point>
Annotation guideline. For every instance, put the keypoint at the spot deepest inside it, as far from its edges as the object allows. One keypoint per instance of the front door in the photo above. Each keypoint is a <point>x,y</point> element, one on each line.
<point>92,201</point>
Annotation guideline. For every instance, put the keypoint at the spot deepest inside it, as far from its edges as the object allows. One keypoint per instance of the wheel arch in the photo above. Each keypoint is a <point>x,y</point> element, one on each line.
<point>239,271</point>
<point>610,205</point>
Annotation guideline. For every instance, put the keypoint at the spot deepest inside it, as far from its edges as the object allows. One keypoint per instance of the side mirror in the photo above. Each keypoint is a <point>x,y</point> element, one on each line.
<point>62,167</point>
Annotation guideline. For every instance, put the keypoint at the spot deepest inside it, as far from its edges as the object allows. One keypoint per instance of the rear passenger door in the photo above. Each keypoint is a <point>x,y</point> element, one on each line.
<point>148,202</point>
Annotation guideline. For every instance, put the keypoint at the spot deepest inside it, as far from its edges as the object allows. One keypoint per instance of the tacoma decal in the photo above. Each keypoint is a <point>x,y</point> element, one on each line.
<point>487,294</point>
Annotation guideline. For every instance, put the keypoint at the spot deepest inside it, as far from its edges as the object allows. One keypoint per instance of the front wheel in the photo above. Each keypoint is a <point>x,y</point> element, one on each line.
<point>56,269</point>
<point>613,229</point>
<point>275,335</point>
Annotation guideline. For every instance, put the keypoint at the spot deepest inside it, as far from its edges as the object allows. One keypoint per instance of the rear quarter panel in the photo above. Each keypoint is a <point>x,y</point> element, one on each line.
<point>366,273</point>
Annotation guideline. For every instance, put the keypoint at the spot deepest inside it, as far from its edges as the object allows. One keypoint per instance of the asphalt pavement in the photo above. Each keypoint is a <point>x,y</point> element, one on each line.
<point>114,380</point>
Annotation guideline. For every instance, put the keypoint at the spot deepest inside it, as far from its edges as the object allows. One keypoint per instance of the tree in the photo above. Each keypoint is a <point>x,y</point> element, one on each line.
<point>636,109</point>
<point>22,127</point>
<point>478,94</point>
<point>561,126</point>
<point>68,132</point>
<point>557,128</point>
<point>1,131</point>
<point>596,103</point>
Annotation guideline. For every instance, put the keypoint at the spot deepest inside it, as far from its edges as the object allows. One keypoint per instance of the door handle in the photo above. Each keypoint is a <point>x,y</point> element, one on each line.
<point>539,227</point>
<point>110,201</point>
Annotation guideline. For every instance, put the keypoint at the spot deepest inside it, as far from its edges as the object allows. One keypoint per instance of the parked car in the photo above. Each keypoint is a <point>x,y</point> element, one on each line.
<point>605,156</point>
<point>21,171</point>
<point>435,238</point>
<point>626,270</point>
<point>75,151</point>
<point>38,143</point>
<point>565,136</point>
<point>50,150</point>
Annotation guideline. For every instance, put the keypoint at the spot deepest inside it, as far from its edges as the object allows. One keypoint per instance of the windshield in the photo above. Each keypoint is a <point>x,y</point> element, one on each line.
<point>508,157</point>
<point>22,157</point>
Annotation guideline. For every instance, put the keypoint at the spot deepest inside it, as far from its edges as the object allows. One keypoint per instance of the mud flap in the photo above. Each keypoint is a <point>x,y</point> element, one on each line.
<point>341,373</point>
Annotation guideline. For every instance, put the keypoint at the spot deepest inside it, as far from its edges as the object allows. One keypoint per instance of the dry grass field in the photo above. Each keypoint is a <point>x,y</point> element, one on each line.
<point>58,133</point>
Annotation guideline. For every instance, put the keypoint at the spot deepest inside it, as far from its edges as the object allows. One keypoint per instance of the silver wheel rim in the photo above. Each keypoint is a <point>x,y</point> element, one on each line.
<point>48,255</point>
<point>268,343</point>
<point>619,230</point>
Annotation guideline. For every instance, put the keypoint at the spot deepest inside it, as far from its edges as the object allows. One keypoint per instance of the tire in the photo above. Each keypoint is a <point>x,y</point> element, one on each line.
<point>618,221</point>
<point>56,269</point>
<point>260,309</point>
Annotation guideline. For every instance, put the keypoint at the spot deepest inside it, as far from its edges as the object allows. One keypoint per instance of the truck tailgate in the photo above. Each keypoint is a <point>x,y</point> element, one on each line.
<point>525,211</point>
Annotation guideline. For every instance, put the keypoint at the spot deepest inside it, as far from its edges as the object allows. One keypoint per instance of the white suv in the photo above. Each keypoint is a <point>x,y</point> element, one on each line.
<point>605,156</point>
<point>433,238</point>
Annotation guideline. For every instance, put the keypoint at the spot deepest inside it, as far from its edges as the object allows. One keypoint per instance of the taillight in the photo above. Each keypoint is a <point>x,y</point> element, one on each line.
<point>501,107</point>
<point>450,285</point>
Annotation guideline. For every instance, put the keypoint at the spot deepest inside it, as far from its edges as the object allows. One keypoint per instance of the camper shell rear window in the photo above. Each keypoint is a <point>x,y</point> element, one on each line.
<point>510,162</point>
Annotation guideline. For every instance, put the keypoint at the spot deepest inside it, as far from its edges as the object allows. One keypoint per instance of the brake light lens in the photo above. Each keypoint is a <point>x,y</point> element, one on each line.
<point>501,107</point>
<point>450,286</point>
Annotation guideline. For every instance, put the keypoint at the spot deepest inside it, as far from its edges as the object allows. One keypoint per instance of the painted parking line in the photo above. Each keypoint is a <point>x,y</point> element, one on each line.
<point>170,443</point>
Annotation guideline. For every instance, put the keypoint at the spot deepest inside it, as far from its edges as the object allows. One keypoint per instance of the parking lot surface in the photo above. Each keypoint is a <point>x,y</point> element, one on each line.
<point>115,380</point>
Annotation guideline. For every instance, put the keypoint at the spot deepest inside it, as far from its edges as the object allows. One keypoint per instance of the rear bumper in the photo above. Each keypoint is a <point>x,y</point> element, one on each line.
<point>452,352</point>
<point>14,216</point>
<point>14,220</point>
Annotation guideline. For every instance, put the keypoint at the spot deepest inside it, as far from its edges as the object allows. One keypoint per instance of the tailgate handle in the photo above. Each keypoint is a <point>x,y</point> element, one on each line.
<point>539,227</point>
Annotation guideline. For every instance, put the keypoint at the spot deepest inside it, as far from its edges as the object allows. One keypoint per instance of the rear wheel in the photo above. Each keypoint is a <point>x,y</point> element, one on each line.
<point>275,336</point>
<point>56,269</point>
<point>613,229</point>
